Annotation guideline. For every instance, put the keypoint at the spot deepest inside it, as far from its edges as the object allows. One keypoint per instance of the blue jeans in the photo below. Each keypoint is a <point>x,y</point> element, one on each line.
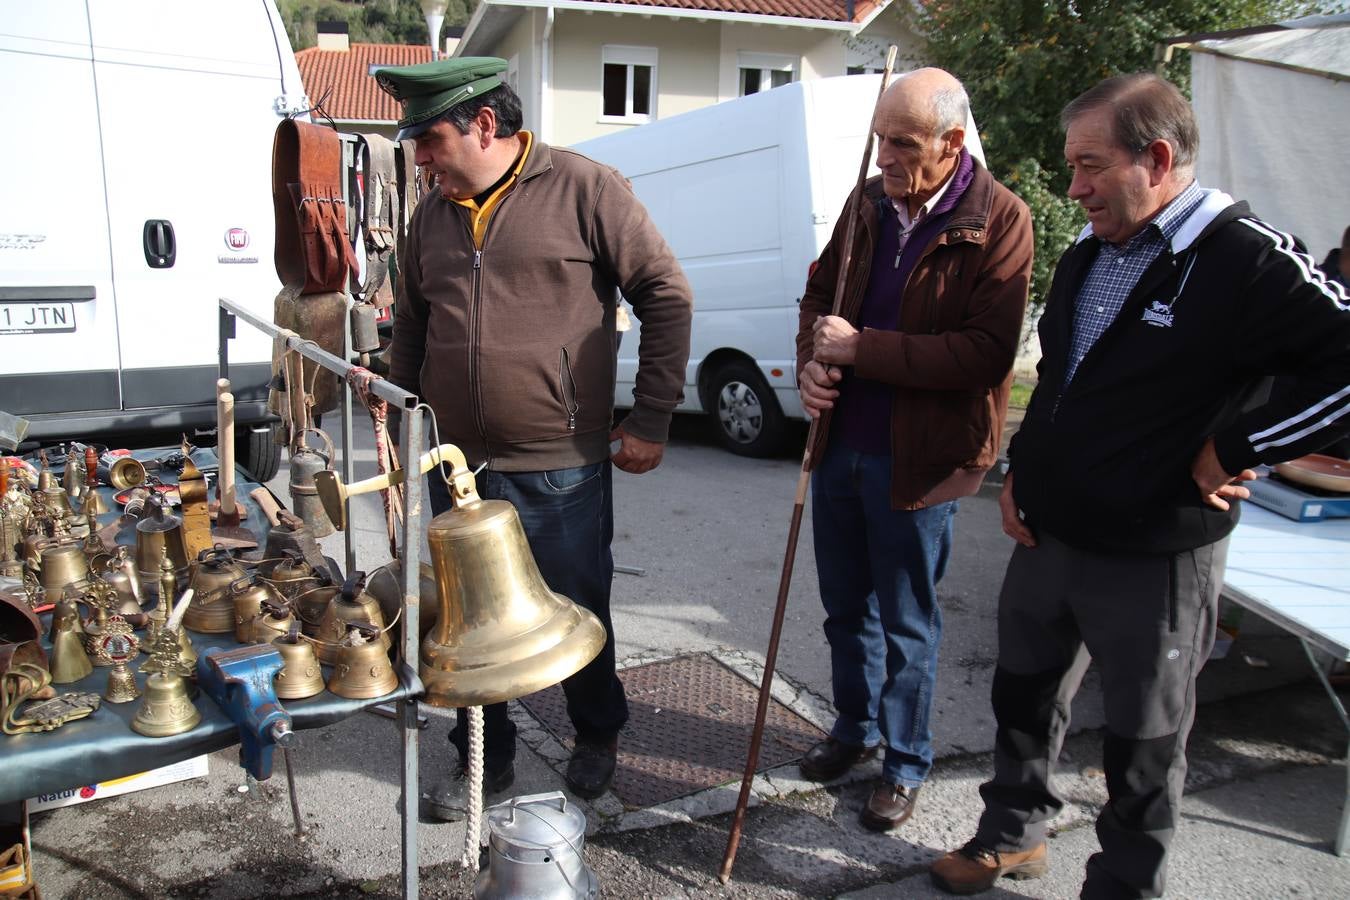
<point>878,569</point>
<point>568,517</point>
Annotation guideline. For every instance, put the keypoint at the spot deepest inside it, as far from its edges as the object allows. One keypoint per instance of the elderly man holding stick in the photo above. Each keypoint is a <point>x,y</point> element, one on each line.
<point>910,380</point>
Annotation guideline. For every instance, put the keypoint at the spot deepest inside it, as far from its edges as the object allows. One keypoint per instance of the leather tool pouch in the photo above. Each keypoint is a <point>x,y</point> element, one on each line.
<point>314,257</point>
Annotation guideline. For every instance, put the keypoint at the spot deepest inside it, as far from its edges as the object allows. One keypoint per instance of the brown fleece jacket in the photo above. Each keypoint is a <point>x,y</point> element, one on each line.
<point>951,358</point>
<point>514,345</point>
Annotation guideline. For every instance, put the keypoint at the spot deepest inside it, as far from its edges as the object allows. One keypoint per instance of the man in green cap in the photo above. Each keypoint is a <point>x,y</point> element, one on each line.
<point>506,327</point>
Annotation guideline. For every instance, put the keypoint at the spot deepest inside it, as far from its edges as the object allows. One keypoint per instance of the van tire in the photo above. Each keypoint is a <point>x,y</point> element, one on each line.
<point>745,413</point>
<point>257,450</point>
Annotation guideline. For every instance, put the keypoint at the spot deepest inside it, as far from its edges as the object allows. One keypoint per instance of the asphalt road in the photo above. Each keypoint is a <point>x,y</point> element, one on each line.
<point>708,530</point>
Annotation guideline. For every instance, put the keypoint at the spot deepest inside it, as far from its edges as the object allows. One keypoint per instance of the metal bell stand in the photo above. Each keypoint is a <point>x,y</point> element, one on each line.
<point>410,439</point>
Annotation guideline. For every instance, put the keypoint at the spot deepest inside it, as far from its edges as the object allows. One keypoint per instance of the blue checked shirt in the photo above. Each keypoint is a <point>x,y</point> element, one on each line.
<point>1116,271</point>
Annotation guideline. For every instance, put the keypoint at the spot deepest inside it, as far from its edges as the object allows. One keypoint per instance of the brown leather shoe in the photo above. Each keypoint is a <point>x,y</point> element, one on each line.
<point>829,759</point>
<point>890,806</point>
<point>974,868</point>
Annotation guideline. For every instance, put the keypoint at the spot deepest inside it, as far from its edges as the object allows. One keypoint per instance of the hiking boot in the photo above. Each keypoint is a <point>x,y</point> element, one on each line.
<point>591,768</point>
<point>448,801</point>
<point>974,868</point>
<point>830,758</point>
<point>890,806</point>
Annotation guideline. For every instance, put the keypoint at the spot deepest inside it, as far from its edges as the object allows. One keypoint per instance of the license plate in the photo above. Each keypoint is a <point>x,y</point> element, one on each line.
<point>41,316</point>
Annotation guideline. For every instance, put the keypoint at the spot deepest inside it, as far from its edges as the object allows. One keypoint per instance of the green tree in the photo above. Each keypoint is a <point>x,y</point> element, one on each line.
<point>1022,60</point>
<point>368,21</point>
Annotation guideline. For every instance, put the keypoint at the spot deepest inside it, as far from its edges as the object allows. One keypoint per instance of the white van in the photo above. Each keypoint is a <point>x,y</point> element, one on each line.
<point>746,193</point>
<point>138,161</point>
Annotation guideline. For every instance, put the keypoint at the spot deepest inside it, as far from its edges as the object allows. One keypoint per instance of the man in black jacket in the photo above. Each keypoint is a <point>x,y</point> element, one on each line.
<point>1162,324</point>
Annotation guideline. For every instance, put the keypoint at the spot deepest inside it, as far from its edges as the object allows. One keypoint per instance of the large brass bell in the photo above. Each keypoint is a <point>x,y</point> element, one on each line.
<point>352,606</point>
<point>501,632</point>
<point>166,708</point>
<point>158,533</point>
<point>300,674</point>
<point>361,669</point>
<point>210,577</point>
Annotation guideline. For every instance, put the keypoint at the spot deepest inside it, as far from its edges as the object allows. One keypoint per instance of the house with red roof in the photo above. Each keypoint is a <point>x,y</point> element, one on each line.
<point>584,68</point>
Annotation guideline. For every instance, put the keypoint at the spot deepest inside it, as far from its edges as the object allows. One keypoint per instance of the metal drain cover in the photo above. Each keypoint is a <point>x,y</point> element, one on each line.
<point>689,723</point>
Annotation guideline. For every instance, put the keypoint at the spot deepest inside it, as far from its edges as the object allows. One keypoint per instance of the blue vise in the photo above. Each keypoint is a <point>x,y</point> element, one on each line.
<point>240,681</point>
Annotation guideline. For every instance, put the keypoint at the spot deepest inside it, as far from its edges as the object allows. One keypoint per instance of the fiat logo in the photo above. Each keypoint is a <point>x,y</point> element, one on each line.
<point>236,239</point>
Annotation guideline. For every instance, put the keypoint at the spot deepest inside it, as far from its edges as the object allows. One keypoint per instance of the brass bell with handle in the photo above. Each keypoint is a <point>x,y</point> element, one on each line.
<point>352,606</point>
<point>361,669</point>
<point>501,633</point>
<point>157,534</point>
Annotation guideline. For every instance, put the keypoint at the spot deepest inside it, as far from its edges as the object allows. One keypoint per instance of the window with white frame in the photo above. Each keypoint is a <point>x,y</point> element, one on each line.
<point>763,71</point>
<point>627,84</point>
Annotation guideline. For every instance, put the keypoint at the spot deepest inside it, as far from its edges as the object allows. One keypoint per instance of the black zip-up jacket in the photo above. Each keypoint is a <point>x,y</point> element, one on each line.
<point>1105,463</point>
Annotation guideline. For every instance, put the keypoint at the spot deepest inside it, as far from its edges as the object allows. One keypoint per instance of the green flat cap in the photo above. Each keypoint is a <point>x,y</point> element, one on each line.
<point>429,89</point>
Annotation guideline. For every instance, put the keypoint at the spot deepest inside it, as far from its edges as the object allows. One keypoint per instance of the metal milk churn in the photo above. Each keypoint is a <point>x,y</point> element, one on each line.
<point>534,851</point>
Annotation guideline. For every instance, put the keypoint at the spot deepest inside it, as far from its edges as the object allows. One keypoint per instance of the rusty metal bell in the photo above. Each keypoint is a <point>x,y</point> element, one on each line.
<point>361,669</point>
<point>501,632</point>
<point>306,462</point>
<point>300,675</point>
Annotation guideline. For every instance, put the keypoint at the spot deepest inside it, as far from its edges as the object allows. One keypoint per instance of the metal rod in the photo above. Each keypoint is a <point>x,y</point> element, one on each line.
<point>412,616</point>
<point>295,798</point>
<point>349,534</point>
<point>795,525</point>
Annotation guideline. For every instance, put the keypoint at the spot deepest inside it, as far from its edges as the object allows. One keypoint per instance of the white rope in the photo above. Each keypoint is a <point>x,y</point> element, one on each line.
<point>473,826</point>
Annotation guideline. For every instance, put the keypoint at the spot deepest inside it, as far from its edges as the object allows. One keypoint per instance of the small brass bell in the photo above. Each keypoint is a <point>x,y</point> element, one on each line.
<point>46,480</point>
<point>272,621</point>
<point>352,606</point>
<point>72,479</point>
<point>126,472</point>
<point>94,504</point>
<point>301,675</point>
<point>247,599</point>
<point>212,573</point>
<point>68,660</point>
<point>362,670</point>
<point>64,568</point>
<point>291,576</point>
<point>121,686</point>
<point>157,534</point>
<point>166,709</point>
<point>311,606</point>
<point>501,632</point>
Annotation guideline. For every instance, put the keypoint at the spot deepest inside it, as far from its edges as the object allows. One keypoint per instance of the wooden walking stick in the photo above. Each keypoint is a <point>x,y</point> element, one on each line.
<point>794,529</point>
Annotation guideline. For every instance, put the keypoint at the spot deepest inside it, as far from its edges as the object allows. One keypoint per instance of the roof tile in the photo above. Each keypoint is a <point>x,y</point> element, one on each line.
<point>341,80</point>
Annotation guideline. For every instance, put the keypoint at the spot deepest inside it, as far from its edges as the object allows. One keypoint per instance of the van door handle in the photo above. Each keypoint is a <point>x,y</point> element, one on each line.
<point>160,245</point>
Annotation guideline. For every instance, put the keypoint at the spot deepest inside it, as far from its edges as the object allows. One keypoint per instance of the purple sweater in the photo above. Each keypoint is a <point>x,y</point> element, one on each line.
<point>862,418</point>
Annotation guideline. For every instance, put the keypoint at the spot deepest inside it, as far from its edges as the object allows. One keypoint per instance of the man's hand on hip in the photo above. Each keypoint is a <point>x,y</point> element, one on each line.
<point>1013,526</point>
<point>1216,485</point>
<point>816,388</point>
<point>835,341</point>
<point>636,455</point>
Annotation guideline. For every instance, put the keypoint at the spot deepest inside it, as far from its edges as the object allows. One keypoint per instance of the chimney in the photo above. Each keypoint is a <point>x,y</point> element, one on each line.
<point>453,35</point>
<point>333,36</point>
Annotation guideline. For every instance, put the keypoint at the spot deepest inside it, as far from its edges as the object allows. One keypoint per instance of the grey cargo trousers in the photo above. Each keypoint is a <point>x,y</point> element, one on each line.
<point>1148,622</point>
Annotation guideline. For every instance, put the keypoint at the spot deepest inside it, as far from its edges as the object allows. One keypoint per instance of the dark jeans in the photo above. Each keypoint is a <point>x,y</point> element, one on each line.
<point>568,517</point>
<point>878,569</point>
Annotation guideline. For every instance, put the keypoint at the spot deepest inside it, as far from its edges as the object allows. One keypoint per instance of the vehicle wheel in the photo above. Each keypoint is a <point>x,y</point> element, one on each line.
<point>258,452</point>
<point>745,413</point>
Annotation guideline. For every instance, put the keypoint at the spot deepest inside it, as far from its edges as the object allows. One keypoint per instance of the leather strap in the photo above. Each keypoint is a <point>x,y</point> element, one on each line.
<point>379,212</point>
<point>410,190</point>
<point>312,251</point>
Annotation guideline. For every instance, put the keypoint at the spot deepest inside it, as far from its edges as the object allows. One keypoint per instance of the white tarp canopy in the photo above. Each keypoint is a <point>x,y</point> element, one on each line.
<point>1274,116</point>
